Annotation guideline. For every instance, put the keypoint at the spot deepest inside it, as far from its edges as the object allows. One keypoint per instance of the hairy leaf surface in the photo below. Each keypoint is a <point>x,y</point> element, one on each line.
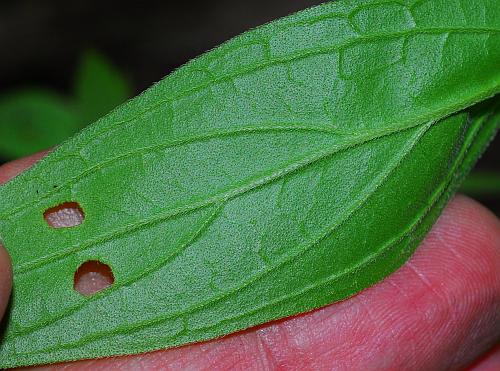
<point>289,168</point>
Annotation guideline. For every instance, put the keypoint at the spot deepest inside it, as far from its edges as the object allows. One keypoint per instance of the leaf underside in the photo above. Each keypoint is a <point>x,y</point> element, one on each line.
<point>291,167</point>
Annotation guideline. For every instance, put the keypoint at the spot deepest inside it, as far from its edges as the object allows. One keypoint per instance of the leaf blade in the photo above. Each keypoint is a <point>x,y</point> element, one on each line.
<point>262,158</point>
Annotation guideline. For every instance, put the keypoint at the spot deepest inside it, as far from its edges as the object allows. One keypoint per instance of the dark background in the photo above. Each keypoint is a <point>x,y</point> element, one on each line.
<point>41,42</point>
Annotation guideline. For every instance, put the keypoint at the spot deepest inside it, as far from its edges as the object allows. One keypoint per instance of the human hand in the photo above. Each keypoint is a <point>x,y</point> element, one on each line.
<point>440,311</point>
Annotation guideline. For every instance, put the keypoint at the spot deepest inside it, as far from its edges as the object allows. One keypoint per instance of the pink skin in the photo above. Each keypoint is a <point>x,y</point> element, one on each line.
<point>440,311</point>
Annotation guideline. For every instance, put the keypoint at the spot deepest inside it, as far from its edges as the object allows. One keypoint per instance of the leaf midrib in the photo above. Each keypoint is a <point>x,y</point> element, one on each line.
<point>229,194</point>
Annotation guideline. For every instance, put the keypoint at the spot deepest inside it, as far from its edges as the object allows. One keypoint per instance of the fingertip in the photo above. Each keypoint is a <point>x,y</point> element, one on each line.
<point>465,210</point>
<point>453,282</point>
<point>467,236</point>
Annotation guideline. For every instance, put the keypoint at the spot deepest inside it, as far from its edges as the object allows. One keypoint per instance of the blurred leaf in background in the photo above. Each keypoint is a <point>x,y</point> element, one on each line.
<point>482,183</point>
<point>32,120</point>
<point>99,87</point>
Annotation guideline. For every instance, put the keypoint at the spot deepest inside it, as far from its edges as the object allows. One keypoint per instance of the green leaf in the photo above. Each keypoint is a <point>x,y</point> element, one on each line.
<point>100,87</point>
<point>287,169</point>
<point>482,183</point>
<point>33,120</point>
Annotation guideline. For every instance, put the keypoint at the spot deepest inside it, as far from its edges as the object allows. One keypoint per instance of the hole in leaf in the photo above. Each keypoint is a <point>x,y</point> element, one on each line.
<point>92,277</point>
<point>66,215</point>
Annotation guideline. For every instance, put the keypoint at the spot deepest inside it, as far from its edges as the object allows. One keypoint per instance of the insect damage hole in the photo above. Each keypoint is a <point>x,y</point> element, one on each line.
<point>66,215</point>
<point>92,277</point>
